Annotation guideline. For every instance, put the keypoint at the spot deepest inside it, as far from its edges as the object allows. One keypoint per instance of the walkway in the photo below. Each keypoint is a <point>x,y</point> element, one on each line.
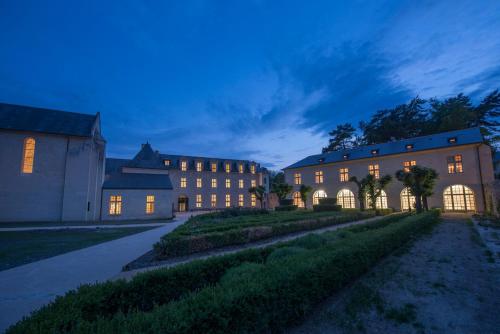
<point>26,288</point>
<point>79,227</point>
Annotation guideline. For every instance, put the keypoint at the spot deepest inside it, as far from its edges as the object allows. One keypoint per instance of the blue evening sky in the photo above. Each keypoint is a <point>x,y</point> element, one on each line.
<point>261,80</point>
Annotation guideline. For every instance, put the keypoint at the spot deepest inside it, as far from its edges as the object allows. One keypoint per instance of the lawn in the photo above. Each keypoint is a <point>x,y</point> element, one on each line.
<point>253,291</point>
<point>17,248</point>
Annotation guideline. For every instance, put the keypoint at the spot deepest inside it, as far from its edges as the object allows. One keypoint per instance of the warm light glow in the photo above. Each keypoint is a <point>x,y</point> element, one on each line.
<point>297,200</point>
<point>407,200</point>
<point>297,178</point>
<point>199,166</point>
<point>166,162</point>
<point>228,183</point>
<point>345,198</point>
<point>28,155</point>
<point>344,174</point>
<point>228,200</point>
<point>183,166</point>
<point>253,200</point>
<point>240,168</point>
<point>374,170</point>
<point>214,183</point>
<point>115,205</point>
<point>241,200</point>
<point>198,183</point>
<point>252,169</point>
<point>318,176</point>
<point>213,200</point>
<point>213,167</point>
<point>381,202</point>
<point>318,195</point>
<point>254,183</point>
<point>183,182</point>
<point>459,198</point>
<point>241,184</point>
<point>150,204</point>
<point>455,164</point>
<point>408,164</point>
<point>198,201</point>
<point>228,167</point>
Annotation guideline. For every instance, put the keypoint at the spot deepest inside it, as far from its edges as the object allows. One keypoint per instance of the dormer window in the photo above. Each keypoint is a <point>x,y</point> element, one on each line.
<point>199,166</point>
<point>321,160</point>
<point>228,167</point>
<point>346,156</point>
<point>166,162</point>
<point>409,147</point>
<point>184,165</point>
<point>375,152</point>
<point>452,140</point>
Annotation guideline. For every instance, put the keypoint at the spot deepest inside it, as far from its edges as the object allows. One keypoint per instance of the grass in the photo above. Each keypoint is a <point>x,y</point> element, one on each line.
<point>78,223</point>
<point>21,247</point>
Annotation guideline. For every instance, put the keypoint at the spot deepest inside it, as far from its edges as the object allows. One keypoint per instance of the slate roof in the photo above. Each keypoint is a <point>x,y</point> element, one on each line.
<point>147,158</point>
<point>115,165</point>
<point>176,160</point>
<point>137,181</point>
<point>25,118</point>
<point>440,140</point>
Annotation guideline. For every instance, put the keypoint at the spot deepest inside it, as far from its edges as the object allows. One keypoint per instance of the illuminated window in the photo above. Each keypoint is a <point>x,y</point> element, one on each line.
<point>228,168</point>
<point>318,195</point>
<point>228,200</point>
<point>459,198</point>
<point>213,167</point>
<point>374,170</point>
<point>241,184</point>
<point>253,200</point>
<point>228,183</point>
<point>297,178</point>
<point>254,183</point>
<point>214,183</point>
<point>409,147</point>
<point>241,200</point>
<point>28,155</point>
<point>252,169</point>
<point>375,152</point>
<point>345,198</point>
<point>150,204</point>
<point>184,165</point>
<point>240,168</point>
<point>167,162</point>
<point>381,202</point>
<point>344,174</point>
<point>115,205</point>
<point>297,200</point>
<point>199,166</point>
<point>318,176</point>
<point>183,182</point>
<point>408,164</point>
<point>198,183</point>
<point>213,200</point>
<point>407,200</point>
<point>198,201</point>
<point>455,164</point>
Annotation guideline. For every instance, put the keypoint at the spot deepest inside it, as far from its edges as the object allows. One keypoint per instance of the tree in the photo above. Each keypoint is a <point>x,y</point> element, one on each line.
<point>454,113</point>
<point>487,114</point>
<point>276,177</point>
<point>259,192</point>
<point>281,190</point>
<point>304,192</point>
<point>374,187</point>
<point>420,181</point>
<point>341,138</point>
<point>361,190</point>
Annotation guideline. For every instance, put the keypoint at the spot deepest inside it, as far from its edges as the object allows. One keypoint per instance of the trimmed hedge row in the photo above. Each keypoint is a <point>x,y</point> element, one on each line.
<point>178,245</point>
<point>158,287</point>
<point>287,207</point>
<point>264,296</point>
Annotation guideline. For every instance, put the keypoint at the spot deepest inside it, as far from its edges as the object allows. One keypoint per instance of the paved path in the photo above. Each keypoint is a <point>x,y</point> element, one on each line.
<point>78,227</point>
<point>232,249</point>
<point>26,288</point>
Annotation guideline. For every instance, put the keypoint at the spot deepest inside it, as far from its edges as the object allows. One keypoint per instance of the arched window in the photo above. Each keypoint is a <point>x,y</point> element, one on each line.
<point>28,155</point>
<point>407,200</point>
<point>317,195</point>
<point>345,198</point>
<point>381,202</point>
<point>459,198</point>
<point>297,200</point>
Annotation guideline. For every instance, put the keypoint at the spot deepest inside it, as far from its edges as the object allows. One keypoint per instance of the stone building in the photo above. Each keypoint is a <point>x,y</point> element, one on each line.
<point>462,159</point>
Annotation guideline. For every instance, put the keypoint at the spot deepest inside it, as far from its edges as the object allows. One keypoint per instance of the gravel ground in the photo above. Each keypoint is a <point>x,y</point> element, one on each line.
<point>445,282</point>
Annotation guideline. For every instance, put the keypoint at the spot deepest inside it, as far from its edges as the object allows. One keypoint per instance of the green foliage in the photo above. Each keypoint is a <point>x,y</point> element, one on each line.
<point>304,193</point>
<point>281,190</point>
<point>259,193</point>
<point>286,201</point>
<point>284,253</point>
<point>326,207</point>
<point>328,200</point>
<point>341,138</point>
<point>286,207</point>
<point>420,181</point>
<point>249,291</point>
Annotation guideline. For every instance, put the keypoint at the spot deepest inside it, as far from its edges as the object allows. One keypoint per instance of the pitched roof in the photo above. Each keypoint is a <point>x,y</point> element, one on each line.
<point>137,181</point>
<point>25,118</point>
<point>114,164</point>
<point>147,158</point>
<point>440,140</point>
<point>175,159</point>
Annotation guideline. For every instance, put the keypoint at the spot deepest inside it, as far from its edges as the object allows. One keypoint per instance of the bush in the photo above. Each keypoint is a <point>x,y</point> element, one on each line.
<point>326,207</point>
<point>286,208</point>
<point>328,201</point>
<point>284,252</point>
<point>383,212</point>
<point>286,201</point>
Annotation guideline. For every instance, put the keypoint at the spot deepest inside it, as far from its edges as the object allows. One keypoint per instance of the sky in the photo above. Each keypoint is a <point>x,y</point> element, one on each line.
<point>259,80</point>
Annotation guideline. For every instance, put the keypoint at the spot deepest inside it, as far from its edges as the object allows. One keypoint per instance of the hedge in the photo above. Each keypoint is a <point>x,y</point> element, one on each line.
<point>159,287</point>
<point>286,208</point>
<point>326,207</point>
<point>260,297</point>
<point>179,245</point>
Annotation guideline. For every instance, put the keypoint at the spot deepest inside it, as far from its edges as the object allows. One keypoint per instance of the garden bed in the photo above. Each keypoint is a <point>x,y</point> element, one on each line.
<point>257,290</point>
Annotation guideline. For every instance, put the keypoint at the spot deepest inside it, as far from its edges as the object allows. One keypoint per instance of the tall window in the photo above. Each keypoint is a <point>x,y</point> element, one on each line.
<point>374,170</point>
<point>297,200</point>
<point>213,167</point>
<point>241,184</point>
<point>318,195</point>
<point>254,183</point>
<point>28,155</point>
<point>297,178</point>
<point>213,200</point>
<point>381,202</point>
<point>407,200</point>
<point>408,164</point>
<point>199,166</point>
<point>184,166</point>
<point>198,201</point>
<point>150,204</point>
<point>241,200</point>
<point>252,169</point>
<point>214,183</point>
<point>228,183</point>
<point>183,182</point>
<point>459,198</point>
<point>344,174</point>
<point>240,168</point>
<point>228,168</point>
<point>345,198</point>
<point>228,200</point>
<point>198,183</point>
<point>318,176</point>
<point>115,205</point>
<point>455,164</point>
<point>253,200</point>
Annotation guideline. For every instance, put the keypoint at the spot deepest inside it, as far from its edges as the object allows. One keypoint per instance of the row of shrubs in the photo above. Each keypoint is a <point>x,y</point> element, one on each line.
<point>158,287</point>
<point>178,245</point>
<point>262,290</point>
